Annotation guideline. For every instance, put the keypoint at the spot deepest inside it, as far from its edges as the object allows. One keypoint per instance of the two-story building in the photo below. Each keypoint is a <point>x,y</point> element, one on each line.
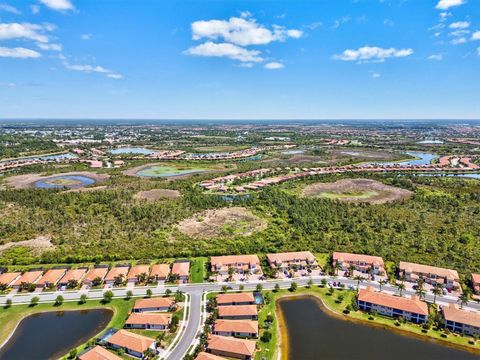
<point>364,264</point>
<point>297,261</point>
<point>430,274</point>
<point>460,320</point>
<point>241,264</point>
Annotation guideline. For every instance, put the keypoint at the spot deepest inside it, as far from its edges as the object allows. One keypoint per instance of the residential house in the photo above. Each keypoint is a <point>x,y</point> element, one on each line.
<point>133,344</point>
<point>430,274</point>
<point>239,312</point>
<point>29,277</point>
<point>160,272</point>
<point>7,279</point>
<point>73,275</point>
<point>412,309</point>
<point>94,273</point>
<point>116,273</point>
<point>297,260</point>
<point>246,298</point>
<point>475,283</point>
<point>365,264</point>
<point>153,304</point>
<point>460,320</point>
<point>181,268</point>
<point>208,356</point>
<point>135,271</point>
<point>241,264</point>
<point>50,278</point>
<point>231,347</point>
<point>148,321</point>
<point>98,353</point>
<point>238,328</point>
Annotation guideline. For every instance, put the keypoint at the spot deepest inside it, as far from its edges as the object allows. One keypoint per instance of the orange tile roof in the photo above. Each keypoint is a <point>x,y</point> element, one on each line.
<point>237,310</point>
<point>94,273</point>
<point>475,278</point>
<point>9,277</point>
<point>453,313</point>
<point>73,274</point>
<point>160,270</point>
<point>208,356</point>
<point>348,257</point>
<point>116,271</point>
<point>413,305</point>
<point>234,259</point>
<point>290,256</point>
<point>98,353</point>
<point>157,302</point>
<point>235,298</point>
<point>130,340</point>
<point>149,318</point>
<point>29,277</point>
<point>137,270</point>
<point>231,345</point>
<point>427,269</point>
<point>51,276</point>
<point>238,326</point>
<point>181,268</point>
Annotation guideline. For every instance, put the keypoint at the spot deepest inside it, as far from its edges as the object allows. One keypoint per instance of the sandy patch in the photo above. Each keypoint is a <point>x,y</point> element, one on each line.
<point>356,191</point>
<point>29,180</point>
<point>40,243</point>
<point>225,222</point>
<point>156,194</point>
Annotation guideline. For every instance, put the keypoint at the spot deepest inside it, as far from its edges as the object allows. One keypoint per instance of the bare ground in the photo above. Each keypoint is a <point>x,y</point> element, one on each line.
<point>28,180</point>
<point>40,243</point>
<point>157,194</point>
<point>225,222</point>
<point>357,191</point>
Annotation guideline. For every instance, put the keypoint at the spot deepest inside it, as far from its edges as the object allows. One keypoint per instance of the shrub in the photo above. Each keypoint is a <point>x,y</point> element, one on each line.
<point>107,296</point>
<point>266,336</point>
<point>293,286</point>
<point>59,300</point>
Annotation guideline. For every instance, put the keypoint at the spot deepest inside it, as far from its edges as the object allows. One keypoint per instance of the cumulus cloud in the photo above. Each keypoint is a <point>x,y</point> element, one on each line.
<point>18,52</point>
<point>447,4</point>
<point>241,31</point>
<point>58,5</point>
<point>458,41</point>
<point>50,47</point>
<point>437,57</point>
<point>9,31</point>
<point>459,25</point>
<point>10,9</point>
<point>372,54</point>
<point>476,35</point>
<point>274,65</point>
<point>225,50</point>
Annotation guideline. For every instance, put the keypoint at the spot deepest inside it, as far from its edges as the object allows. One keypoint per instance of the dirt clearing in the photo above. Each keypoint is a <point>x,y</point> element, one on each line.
<point>40,243</point>
<point>157,194</point>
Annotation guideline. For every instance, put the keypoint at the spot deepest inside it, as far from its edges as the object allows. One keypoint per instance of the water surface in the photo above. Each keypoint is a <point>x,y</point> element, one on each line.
<point>131,150</point>
<point>64,181</point>
<point>313,335</point>
<point>53,334</point>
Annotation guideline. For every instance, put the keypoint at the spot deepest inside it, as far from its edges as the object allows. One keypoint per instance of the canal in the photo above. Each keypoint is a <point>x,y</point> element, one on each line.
<point>313,334</point>
<point>53,334</point>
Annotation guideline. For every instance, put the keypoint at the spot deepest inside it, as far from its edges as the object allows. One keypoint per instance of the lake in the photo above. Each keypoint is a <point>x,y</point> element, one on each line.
<point>132,150</point>
<point>53,334</point>
<point>64,181</point>
<point>313,334</point>
<point>421,158</point>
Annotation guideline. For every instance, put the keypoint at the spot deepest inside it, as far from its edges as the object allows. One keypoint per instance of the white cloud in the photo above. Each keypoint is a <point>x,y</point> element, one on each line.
<point>225,50</point>
<point>447,4</point>
<point>86,36</point>
<point>476,35</point>
<point>274,65</point>
<point>115,76</point>
<point>376,75</point>
<point>89,69</point>
<point>388,22</point>
<point>372,53</point>
<point>437,57</point>
<point>458,41</point>
<point>35,9</point>
<point>58,5</point>
<point>445,15</point>
<point>50,47</point>
<point>313,25</point>
<point>10,9</point>
<point>18,52</point>
<point>459,25</point>
<point>341,21</point>
<point>241,31</point>
<point>24,31</point>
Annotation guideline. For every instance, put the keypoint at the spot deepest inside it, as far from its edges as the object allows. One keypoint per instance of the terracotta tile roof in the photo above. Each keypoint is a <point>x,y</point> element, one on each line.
<point>234,259</point>
<point>231,345</point>
<point>475,278</point>
<point>160,270</point>
<point>94,273</point>
<point>51,276</point>
<point>137,270</point>
<point>235,298</point>
<point>98,353</point>
<point>73,274</point>
<point>237,310</point>
<point>116,271</point>
<point>149,318</point>
<point>348,257</point>
<point>29,277</point>
<point>158,302</point>
<point>238,326</point>
<point>427,269</point>
<point>9,277</point>
<point>453,313</point>
<point>130,340</point>
<point>208,356</point>
<point>290,256</point>
<point>413,305</point>
<point>181,268</point>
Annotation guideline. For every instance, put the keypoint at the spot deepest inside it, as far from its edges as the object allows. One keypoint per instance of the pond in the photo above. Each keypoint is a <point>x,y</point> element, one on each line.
<point>421,158</point>
<point>169,171</point>
<point>64,181</point>
<point>313,334</point>
<point>53,334</point>
<point>131,150</point>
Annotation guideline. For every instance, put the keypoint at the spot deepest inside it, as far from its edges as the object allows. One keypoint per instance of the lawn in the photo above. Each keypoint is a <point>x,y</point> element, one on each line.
<point>198,269</point>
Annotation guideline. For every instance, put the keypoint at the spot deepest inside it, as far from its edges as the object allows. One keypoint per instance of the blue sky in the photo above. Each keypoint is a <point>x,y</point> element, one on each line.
<point>226,59</point>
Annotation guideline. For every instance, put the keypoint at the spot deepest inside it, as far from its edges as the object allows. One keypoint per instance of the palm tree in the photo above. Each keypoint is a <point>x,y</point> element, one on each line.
<point>381,283</point>
<point>420,288</point>
<point>463,299</point>
<point>359,279</point>
<point>437,290</point>
<point>400,287</point>
<point>351,269</point>
<point>336,268</point>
